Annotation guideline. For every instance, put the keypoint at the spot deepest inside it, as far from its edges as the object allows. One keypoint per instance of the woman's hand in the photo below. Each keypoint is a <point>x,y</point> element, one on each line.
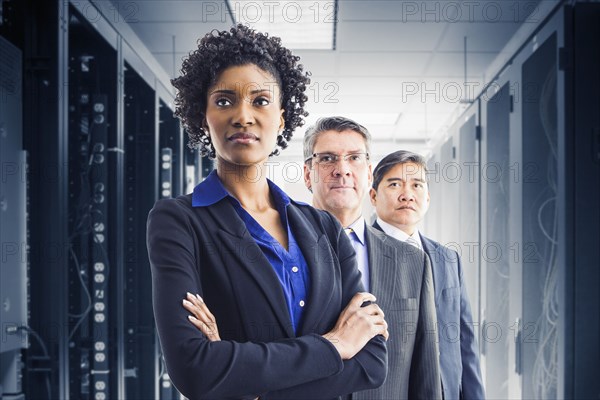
<point>357,325</point>
<point>201,317</point>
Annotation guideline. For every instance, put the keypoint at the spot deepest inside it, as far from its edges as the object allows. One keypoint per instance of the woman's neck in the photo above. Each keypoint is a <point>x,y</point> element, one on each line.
<point>247,183</point>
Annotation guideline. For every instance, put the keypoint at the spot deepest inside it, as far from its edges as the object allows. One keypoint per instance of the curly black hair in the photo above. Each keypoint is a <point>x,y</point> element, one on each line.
<point>219,50</point>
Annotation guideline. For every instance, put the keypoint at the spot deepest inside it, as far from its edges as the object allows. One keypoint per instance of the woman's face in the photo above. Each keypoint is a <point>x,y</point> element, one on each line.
<point>244,115</point>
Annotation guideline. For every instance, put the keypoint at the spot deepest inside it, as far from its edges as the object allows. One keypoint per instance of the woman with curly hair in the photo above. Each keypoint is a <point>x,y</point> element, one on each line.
<point>279,276</point>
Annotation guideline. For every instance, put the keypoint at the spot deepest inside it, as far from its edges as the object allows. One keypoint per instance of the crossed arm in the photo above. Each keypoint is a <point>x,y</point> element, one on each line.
<point>356,325</point>
<point>307,366</point>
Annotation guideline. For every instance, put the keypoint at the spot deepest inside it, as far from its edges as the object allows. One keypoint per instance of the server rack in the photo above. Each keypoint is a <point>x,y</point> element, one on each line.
<point>539,193</point>
<point>496,270</point>
<point>469,236</point>
<point>578,227</point>
<point>100,116</point>
<point>40,30</point>
<point>13,240</point>
<point>141,358</point>
<point>93,199</point>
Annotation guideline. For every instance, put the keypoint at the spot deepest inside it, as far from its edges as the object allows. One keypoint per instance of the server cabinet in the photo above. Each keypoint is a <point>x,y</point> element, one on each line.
<point>93,140</point>
<point>468,235</point>
<point>172,151</point>
<point>141,158</point>
<point>93,252</point>
<point>496,269</point>
<point>13,240</point>
<point>42,29</point>
<point>454,215</point>
<point>540,129</point>
<point>538,341</point>
<point>579,215</point>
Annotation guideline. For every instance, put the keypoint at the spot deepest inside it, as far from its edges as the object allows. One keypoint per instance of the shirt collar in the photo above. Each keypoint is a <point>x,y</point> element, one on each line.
<point>211,191</point>
<point>399,234</point>
<point>358,227</point>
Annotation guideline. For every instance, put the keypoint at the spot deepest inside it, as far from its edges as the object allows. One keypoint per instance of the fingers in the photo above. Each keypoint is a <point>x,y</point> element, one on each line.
<point>206,329</point>
<point>201,317</point>
<point>373,309</point>
<point>198,307</point>
<point>382,329</point>
<point>375,317</point>
<point>359,298</point>
<point>379,316</point>
<point>199,311</point>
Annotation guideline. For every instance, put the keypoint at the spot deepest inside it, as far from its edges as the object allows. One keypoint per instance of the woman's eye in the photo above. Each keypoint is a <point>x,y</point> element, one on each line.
<point>394,184</point>
<point>222,102</point>
<point>418,185</point>
<point>262,101</point>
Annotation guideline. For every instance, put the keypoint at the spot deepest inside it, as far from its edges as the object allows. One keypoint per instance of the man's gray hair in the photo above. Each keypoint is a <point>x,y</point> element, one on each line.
<point>337,124</point>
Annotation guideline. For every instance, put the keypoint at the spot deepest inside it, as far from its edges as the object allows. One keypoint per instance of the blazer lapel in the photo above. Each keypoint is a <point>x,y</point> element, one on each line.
<point>382,265</point>
<point>317,252</point>
<point>238,242</point>
<point>438,267</point>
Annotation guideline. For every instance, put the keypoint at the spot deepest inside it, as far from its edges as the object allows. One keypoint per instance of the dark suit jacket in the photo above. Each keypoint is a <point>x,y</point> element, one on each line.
<point>459,354</point>
<point>208,250</point>
<point>400,276</point>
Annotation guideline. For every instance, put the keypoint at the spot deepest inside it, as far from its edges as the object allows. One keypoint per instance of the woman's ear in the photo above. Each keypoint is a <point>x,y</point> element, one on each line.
<point>281,121</point>
<point>205,125</point>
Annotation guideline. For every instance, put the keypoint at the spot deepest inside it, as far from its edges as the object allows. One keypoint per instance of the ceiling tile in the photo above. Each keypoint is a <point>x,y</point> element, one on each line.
<point>388,36</point>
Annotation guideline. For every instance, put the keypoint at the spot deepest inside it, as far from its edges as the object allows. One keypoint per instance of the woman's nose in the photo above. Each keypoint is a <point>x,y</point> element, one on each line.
<point>244,114</point>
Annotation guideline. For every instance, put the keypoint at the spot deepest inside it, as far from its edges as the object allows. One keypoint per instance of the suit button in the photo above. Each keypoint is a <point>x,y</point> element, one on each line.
<point>294,269</point>
<point>302,303</point>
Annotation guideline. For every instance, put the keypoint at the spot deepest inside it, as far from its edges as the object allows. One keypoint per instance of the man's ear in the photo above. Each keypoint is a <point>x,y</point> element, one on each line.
<point>373,196</point>
<point>307,181</point>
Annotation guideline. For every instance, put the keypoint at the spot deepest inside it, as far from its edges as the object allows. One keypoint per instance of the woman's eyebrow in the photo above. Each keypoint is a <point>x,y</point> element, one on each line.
<point>229,91</point>
<point>222,91</point>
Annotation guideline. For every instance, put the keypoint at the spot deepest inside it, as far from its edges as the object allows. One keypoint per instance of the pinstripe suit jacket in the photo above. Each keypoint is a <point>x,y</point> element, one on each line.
<point>402,282</point>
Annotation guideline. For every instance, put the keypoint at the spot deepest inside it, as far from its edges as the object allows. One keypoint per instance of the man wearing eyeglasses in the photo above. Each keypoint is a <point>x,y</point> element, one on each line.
<point>338,172</point>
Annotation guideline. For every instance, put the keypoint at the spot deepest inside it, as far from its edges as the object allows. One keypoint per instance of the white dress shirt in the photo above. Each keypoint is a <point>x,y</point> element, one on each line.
<point>400,235</point>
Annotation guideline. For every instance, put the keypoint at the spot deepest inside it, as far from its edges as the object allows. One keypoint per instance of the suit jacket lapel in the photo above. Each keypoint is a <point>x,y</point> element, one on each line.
<point>317,252</point>
<point>237,241</point>
<point>438,266</point>
<point>382,265</point>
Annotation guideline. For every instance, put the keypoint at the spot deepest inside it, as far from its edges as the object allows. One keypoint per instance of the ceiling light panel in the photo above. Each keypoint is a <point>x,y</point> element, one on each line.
<point>299,24</point>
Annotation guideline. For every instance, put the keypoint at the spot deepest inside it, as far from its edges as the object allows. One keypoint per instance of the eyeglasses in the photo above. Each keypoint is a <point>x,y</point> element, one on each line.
<point>330,159</point>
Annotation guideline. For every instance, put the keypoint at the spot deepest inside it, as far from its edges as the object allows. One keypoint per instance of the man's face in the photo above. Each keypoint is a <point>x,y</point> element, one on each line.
<point>339,186</point>
<point>402,196</point>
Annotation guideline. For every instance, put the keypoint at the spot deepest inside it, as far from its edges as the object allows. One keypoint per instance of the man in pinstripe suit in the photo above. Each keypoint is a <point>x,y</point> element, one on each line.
<point>400,195</point>
<point>338,173</point>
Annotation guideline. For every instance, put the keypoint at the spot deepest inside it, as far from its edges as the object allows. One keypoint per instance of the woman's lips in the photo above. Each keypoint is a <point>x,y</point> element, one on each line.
<point>243,137</point>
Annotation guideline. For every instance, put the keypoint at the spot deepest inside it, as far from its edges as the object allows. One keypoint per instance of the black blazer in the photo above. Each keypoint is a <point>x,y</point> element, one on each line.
<point>208,250</point>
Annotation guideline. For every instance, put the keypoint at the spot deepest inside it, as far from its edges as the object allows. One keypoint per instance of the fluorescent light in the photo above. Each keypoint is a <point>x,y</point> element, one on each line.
<point>361,118</point>
<point>299,24</point>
